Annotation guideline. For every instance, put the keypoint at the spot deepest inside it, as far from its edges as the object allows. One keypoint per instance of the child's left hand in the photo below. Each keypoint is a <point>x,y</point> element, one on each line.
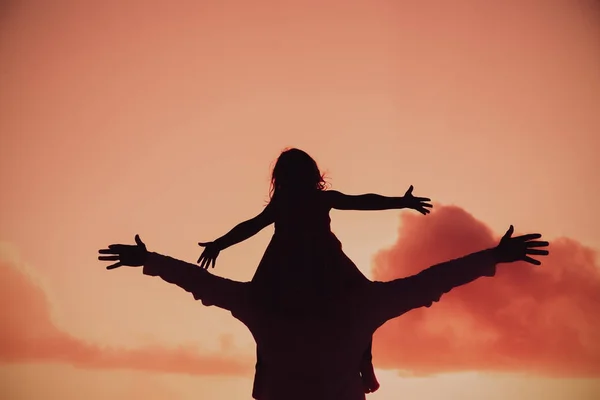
<point>420,204</point>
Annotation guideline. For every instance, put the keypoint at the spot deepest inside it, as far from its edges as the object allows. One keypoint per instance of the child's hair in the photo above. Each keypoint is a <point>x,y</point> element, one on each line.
<point>296,171</point>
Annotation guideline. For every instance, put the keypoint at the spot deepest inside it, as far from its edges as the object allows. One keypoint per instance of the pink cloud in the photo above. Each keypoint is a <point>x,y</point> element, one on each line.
<point>27,334</point>
<point>543,320</point>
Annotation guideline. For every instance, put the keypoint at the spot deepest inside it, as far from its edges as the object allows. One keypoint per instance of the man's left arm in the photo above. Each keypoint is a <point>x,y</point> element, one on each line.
<point>394,298</point>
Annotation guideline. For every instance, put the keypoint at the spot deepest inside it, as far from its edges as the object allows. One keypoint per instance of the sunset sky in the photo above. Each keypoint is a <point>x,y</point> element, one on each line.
<point>164,118</point>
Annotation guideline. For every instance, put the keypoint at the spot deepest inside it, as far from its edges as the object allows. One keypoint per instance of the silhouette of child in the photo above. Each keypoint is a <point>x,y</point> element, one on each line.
<point>304,257</point>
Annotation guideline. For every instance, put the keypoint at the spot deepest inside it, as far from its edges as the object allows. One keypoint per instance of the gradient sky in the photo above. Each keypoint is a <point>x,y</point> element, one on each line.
<point>164,118</point>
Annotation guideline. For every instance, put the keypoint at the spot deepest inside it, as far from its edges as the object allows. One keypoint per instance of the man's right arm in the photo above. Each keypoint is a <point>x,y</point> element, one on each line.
<point>204,286</point>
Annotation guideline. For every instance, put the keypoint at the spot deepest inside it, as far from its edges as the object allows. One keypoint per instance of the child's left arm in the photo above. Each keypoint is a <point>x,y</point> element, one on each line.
<point>370,201</point>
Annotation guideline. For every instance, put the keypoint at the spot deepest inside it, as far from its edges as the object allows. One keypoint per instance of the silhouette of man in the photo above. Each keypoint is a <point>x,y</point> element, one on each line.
<point>333,331</point>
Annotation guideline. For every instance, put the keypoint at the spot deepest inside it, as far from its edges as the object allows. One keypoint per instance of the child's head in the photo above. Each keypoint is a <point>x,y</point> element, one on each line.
<point>296,171</point>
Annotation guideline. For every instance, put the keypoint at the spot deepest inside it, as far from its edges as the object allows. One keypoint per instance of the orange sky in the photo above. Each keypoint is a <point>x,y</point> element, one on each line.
<point>163,119</point>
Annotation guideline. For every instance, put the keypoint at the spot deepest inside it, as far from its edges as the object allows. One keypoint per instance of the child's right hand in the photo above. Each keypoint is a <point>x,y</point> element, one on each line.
<point>209,255</point>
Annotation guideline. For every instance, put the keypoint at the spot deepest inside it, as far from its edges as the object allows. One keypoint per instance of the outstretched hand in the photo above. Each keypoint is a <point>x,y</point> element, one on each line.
<point>125,254</point>
<point>420,204</point>
<point>520,248</point>
<point>209,255</point>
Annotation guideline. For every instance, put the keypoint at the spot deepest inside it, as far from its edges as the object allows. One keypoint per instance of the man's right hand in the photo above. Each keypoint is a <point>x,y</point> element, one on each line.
<point>520,248</point>
<point>125,254</point>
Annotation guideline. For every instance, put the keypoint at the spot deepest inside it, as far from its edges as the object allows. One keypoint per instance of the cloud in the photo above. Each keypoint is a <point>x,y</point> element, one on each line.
<point>543,320</point>
<point>27,334</point>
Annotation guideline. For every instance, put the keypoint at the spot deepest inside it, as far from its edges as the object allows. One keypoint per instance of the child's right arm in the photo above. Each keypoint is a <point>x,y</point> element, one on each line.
<point>239,233</point>
<point>246,229</point>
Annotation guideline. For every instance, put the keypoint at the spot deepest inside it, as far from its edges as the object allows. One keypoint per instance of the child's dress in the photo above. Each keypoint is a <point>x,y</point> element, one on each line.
<point>304,261</point>
<point>304,257</point>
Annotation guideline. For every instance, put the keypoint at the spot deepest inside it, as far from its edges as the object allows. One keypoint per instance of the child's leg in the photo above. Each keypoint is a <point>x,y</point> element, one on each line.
<point>367,371</point>
<point>258,377</point>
